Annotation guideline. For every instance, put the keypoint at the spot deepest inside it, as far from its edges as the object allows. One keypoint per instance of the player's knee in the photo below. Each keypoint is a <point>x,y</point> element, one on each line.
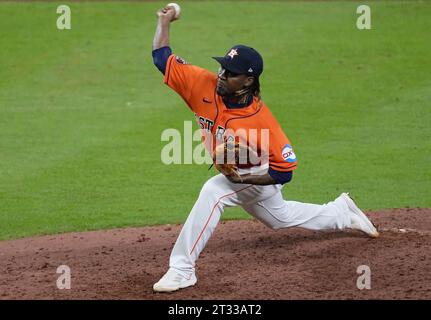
<point>211,189</point>
<point>272,226</point>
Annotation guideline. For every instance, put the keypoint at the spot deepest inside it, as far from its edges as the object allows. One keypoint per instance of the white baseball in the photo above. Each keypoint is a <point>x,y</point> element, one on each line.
<point>176,7</point>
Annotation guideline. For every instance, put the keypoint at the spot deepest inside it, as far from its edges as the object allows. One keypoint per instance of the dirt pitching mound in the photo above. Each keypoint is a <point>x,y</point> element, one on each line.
<point>243,260</point>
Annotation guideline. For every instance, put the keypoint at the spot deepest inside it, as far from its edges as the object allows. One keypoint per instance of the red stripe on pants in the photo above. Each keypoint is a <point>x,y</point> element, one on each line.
<point>212,211</point>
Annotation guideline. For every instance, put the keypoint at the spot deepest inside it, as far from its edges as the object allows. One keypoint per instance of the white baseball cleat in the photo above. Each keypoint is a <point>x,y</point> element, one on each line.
<point>359,221</point>
<point>173,281</point>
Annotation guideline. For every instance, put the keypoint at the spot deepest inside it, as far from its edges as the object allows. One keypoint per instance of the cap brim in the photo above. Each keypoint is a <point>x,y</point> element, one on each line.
<point>226,63</point>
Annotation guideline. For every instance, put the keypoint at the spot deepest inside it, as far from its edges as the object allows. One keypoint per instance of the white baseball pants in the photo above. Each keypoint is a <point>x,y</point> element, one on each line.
<point>265,203</point>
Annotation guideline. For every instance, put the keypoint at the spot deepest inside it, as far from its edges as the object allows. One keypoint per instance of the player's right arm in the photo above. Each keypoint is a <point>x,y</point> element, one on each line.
<point>161,49</point>
<point>164,18</point>
<point>179,75</point>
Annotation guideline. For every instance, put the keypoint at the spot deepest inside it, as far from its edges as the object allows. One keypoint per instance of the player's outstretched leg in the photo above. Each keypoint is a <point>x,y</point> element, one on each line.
<point>339,214</point>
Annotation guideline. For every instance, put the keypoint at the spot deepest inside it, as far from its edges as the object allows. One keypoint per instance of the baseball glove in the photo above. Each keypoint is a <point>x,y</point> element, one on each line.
<point>228,156</point>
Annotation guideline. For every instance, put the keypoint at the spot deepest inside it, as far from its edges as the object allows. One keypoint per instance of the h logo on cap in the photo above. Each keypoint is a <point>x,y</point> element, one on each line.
<point>232,53</point>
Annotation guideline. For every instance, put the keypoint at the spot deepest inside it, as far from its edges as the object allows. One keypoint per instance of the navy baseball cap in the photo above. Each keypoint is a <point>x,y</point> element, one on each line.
<point>242,60</point>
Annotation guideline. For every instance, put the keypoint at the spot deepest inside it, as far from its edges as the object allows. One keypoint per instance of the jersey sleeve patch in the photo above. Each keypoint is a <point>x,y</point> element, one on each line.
<point>288,154</point>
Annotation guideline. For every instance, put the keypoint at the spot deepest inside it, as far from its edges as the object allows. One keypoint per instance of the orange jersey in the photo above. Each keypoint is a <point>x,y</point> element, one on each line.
<point>255,123</point>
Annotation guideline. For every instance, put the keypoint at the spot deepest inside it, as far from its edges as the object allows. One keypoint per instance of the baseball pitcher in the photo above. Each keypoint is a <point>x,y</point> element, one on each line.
<point>229,111</point>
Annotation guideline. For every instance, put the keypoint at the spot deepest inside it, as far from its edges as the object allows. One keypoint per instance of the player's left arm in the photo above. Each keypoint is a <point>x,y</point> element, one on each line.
<point>282,161</point>
<point>270,177</point>
<point>264,179</point>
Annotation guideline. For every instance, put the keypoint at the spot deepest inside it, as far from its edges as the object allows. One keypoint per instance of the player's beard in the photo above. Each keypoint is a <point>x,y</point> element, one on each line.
<point>239,96</point>
<point>236,95</point>
<point>222,91</point>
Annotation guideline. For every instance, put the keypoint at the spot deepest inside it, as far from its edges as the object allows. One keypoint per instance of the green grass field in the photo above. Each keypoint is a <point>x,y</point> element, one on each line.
<point>82,110</point>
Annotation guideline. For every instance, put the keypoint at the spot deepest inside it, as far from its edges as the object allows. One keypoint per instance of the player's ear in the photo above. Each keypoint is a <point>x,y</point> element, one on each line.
<point>249,81</point>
